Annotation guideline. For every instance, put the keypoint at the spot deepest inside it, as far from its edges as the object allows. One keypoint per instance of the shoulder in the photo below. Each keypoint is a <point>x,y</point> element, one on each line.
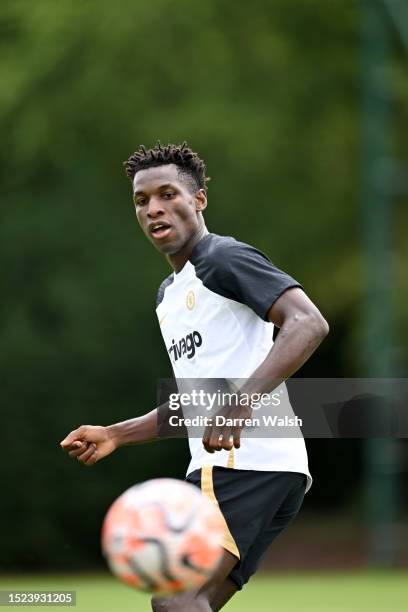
<point>240,272</point>
<point>218,253</point>
<point>211,247</point>
<point>222,255</point>
<point>160,293</point>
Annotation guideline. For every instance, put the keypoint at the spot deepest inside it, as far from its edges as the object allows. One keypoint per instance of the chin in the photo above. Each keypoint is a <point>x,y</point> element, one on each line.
<point>167,249</point>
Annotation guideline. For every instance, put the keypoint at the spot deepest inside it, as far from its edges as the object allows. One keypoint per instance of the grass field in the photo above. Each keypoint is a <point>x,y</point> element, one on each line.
<point>357,592</point>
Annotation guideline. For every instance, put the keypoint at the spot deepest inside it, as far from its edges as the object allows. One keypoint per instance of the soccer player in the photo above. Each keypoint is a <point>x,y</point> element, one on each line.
<point>216,312</point>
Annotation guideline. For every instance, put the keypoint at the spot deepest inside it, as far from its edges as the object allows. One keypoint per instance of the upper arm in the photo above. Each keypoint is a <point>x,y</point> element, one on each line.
<point>242,273</point>
<point>294,303</point>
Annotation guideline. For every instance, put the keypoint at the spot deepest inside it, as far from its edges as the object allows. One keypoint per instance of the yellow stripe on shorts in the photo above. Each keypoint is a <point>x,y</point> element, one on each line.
<point>207,488</point>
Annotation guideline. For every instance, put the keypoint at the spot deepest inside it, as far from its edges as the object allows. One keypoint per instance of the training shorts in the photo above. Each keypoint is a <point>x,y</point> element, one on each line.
<point>256,506</point>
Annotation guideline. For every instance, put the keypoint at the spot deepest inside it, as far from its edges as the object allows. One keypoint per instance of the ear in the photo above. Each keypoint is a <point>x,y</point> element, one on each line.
<point>200,200</point>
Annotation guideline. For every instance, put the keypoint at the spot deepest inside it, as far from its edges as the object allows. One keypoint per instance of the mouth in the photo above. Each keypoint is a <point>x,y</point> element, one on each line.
<point>159,230</point>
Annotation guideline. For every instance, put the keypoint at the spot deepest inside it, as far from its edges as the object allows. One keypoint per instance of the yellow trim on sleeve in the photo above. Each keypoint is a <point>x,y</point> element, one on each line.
<point>230,462</point>
<point>208,490</point>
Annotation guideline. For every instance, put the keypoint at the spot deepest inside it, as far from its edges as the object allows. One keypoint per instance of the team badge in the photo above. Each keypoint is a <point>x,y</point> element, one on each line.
<point>190,301</point>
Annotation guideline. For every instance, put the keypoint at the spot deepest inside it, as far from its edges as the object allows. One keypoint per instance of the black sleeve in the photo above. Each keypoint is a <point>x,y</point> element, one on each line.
<point>244,274</point>
<point>160,293</point>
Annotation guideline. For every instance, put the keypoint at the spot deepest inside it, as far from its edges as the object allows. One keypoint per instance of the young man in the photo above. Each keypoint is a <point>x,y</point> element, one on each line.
<point>216,312</point>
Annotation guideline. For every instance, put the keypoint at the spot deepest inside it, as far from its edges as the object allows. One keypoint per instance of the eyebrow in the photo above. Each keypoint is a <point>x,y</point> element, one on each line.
<point>164,186</point>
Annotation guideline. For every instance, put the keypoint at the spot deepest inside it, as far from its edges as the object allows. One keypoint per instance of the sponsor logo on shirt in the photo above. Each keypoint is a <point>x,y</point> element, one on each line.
<point>186,346</point>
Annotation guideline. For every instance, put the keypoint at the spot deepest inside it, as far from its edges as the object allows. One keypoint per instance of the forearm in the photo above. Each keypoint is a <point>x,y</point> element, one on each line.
<point>135,431</point>
<point>297,340</point>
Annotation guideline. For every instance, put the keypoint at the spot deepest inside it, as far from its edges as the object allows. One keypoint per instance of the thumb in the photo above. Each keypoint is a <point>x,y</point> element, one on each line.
<point>72,438</point>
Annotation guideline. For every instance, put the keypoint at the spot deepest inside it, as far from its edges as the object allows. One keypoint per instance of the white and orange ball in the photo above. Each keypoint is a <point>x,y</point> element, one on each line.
<point>163,536</point>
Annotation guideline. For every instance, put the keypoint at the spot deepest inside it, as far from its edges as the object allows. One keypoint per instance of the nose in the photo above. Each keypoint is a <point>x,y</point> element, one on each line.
<point>155,208</point>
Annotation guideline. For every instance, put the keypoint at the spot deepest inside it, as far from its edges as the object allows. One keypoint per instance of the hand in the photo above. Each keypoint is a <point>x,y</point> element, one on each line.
<point>225,436</point>
<point>89,443</point>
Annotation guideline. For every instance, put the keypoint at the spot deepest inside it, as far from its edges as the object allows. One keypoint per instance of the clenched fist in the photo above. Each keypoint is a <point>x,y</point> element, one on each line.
<point>89,443</point>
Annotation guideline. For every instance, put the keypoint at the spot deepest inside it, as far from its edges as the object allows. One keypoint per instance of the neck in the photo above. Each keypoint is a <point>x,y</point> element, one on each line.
<point>179,259</point>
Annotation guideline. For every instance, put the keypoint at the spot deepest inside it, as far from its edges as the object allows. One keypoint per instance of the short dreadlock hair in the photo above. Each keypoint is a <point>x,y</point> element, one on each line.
<point>189,165</point>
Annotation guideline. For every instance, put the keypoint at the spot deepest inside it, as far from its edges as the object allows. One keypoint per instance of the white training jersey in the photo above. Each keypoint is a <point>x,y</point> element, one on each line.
<point>213,318</point>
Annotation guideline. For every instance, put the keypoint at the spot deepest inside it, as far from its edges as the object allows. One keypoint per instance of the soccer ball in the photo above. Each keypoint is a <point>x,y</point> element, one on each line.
<point>163,536</point>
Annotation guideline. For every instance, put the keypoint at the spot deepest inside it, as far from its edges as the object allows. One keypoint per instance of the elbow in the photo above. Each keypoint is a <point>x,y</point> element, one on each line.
<point>324,328</point>
<point>312,322</point>
<point>319,326</point>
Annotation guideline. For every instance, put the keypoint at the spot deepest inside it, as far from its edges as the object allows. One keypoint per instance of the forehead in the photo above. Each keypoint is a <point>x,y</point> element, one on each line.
<point>151,178</point>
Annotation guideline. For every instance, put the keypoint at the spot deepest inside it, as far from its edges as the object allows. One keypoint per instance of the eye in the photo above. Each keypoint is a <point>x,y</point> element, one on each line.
<point>167,195</point>
<point>140,200</point>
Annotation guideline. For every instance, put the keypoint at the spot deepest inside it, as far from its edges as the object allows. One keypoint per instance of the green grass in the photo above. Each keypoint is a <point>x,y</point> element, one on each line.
<point>330,592</point>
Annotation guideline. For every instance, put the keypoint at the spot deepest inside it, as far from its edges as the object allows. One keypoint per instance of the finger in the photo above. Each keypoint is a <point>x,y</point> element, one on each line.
<point>92,459</point>
<point>227,441</point>
<point>206,444</point>
<point>236,438</point>
<point>216,440</point>
<point>72,437</point>
<point>83,457</point>
<point>78,449</point>
<point>74,446</point>
<point>206,439</point>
